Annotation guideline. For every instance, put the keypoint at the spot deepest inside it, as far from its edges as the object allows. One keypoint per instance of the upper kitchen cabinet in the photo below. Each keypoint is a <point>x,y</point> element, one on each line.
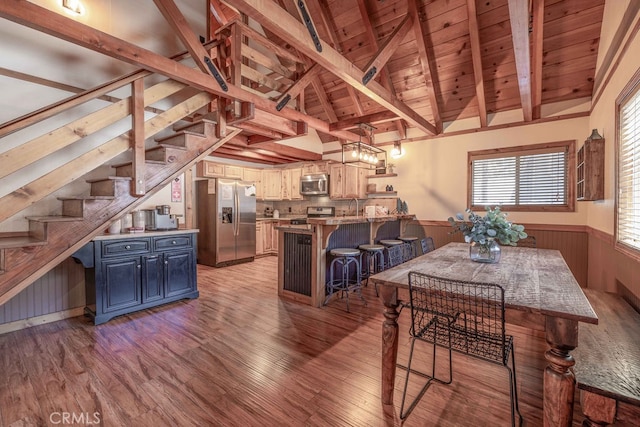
<point>291,184</point>
<point>272,184</point>
<point>296,174</point>
<point>254,175</point>
<point>207,169</point>
<point>315,167</point>
<point>347,182</point>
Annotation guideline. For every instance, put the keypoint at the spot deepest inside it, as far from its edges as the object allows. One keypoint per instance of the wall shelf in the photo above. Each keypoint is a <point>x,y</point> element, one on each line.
<point>590,170</point>
<point>382,193</point>
<point>384,175</point>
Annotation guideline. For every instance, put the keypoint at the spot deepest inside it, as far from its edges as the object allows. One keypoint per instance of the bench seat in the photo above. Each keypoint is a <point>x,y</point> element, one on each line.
<point>607,358</point>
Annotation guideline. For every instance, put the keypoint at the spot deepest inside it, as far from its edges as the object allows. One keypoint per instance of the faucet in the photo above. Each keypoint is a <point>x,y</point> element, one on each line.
<point>357,209</point>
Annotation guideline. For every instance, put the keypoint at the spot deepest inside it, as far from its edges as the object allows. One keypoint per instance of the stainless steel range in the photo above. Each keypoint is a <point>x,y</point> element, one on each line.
<point>320,211</point>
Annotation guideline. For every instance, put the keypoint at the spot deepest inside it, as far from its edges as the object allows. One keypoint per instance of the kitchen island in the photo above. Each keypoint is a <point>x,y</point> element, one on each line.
<point>132,271</point>
<point>302,250</point>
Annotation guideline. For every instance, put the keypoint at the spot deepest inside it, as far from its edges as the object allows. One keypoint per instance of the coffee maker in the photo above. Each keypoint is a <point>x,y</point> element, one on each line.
<point>160,218</point>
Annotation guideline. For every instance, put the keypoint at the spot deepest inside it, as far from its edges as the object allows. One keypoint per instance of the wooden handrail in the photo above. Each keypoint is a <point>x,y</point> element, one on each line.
<point>25,196</point>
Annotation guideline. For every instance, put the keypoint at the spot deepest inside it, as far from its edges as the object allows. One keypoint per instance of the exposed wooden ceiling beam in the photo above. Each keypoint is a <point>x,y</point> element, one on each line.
<point>428,68</point>
<point>476,56</point>
<point>519,14</point>
<point>380,58</point>
<point>381,117</point>
<point>286,150</point>
<point>315,83</point>
<point>536,57</point>
<point>176,19</point>
<point>41,19</point>
<point>385,78</point>
<point>277,20</point>
<point>295,89</point>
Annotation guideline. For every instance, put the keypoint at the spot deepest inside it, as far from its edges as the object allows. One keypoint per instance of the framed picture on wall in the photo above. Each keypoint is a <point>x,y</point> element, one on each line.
<point>381,167</point>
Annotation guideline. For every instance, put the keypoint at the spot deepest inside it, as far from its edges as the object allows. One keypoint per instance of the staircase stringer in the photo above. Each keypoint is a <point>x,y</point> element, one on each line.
<point>24,266</point>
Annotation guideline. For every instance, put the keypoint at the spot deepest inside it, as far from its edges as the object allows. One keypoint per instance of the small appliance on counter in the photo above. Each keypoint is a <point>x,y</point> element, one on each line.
<point>276,214</point>
<point>160,218</point>
<point>320,211</point>
<point>268,212</point>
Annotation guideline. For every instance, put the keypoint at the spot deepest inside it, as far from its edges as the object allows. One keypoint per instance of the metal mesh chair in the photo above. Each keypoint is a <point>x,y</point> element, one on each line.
<point>395,255</point>
<point>461,316</point>
<point>427,245</point>
<point>528,242</point>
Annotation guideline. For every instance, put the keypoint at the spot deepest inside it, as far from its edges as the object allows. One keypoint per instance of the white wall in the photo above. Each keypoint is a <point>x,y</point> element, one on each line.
<point>432,175</point>
<point>601,214</point>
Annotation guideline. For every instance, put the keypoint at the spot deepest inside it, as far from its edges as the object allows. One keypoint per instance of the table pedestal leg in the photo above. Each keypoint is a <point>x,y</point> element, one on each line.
<point>559,381</point>
<point>389,342</point>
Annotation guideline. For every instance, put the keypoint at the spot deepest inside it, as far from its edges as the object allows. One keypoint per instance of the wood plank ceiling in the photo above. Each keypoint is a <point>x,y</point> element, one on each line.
<point>397,64</point>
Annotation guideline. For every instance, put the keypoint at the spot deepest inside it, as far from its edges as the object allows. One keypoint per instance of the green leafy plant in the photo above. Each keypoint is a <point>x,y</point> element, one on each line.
<point>492,226</point>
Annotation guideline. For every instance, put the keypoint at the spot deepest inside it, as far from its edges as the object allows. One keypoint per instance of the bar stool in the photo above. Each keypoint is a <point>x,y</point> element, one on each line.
<point>373,261</point>
<point>413,241</point>
<point>345,257</point>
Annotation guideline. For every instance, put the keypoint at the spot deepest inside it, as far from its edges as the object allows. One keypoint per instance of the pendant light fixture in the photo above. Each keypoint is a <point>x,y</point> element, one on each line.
<point>362,154</point>
<point>73,7</point>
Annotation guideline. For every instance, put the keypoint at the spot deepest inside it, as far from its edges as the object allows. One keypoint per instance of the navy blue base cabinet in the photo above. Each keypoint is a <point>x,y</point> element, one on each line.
<point>132,273</point>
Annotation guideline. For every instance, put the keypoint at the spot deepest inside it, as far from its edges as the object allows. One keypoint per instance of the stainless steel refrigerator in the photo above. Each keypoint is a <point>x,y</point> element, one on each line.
<point>226,218</point>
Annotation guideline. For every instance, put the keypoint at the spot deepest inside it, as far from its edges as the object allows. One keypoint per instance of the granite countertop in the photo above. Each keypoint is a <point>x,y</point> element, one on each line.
<point>126,235</point>
<point>337,220</point>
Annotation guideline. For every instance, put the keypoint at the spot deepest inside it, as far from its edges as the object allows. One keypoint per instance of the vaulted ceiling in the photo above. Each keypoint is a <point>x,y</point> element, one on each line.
<point>401,65</point>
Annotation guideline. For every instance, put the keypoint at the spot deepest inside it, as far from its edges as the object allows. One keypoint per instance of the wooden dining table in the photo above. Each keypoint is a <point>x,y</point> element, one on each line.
<point>540,293</point>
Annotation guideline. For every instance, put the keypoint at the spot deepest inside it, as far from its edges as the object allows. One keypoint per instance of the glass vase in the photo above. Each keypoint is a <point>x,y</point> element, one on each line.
<point>489,252</point>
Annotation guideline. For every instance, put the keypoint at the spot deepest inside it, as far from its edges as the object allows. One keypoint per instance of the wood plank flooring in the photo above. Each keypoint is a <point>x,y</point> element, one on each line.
<point>240,356</point>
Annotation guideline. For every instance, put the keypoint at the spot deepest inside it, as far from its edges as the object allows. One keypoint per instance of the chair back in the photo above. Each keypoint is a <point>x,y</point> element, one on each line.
<point>467,317</point>
<point>395,255</point>
<point>407,252</point>
<point>427,245</point>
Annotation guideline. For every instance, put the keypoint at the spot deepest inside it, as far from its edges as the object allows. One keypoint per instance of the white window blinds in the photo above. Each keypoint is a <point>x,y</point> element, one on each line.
<point>629,172</point>
<point>520,179</point>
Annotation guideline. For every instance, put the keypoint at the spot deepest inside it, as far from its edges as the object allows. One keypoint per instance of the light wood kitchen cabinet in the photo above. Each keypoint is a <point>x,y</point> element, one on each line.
<point>285,182</point>
<point>267,237</point>
<point>315,167</point>
<point>231,171</point>
<point>296,174</point>
<point>274,238</point>
<point>207,169</point>
<point>254,175</point>
<point>259,237</point>
<point>271,184</point>
<point>346,182</point>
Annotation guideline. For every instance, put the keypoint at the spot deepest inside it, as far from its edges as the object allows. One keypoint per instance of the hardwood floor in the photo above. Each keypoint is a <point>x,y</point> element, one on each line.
<point>239,355</point>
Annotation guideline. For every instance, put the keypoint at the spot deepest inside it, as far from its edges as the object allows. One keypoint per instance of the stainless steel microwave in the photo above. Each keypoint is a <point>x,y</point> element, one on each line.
<point>314,185</point>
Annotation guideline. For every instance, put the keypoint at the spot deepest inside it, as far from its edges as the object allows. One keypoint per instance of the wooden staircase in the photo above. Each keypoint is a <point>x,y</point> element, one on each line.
<point>26,256</point>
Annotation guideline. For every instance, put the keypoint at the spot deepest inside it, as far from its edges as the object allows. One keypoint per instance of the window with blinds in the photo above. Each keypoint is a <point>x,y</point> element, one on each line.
<point>628,194</point>
<point>525,178</point>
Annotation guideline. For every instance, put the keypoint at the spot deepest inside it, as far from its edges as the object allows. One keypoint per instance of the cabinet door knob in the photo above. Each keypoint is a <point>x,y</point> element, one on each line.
<point>127,247</point>
<point>173,242</point>
<point>166,262</point>
<point>139,266</point>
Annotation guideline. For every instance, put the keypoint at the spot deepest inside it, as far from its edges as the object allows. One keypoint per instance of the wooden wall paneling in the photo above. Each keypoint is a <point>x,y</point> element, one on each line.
<point>60,289</point>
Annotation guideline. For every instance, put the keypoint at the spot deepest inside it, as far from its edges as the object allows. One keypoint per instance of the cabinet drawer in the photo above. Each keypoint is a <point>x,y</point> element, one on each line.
<point>172,242</point>
<point>124,247</point>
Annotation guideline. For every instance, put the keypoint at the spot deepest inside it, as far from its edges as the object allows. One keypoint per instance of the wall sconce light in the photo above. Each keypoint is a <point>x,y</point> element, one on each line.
<point>397,151</point>
<point>73,7</point>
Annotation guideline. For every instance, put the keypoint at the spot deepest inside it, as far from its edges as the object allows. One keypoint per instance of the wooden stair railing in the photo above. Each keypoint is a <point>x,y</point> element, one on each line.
<point>25,256</point>
<point>57,237</point>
